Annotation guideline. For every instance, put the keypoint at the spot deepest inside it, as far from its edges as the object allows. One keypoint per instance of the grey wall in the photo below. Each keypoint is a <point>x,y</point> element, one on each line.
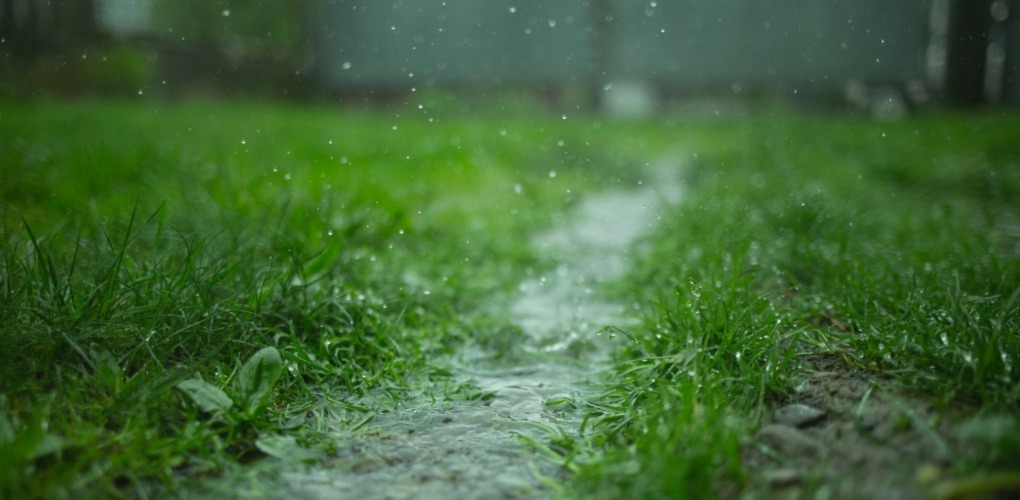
<point>395,42</point>
<point>677,42</point>
<point>762,41</point>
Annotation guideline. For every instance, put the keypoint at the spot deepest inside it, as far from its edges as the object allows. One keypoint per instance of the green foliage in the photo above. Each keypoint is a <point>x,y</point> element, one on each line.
<point>208,397</point>
<point>891,247</point>
<point>186,288</point>
<point>191,287</point>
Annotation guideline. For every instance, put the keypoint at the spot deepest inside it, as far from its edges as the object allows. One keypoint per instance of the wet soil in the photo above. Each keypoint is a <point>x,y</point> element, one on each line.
<point>479,448</point>
<point>871,442</point>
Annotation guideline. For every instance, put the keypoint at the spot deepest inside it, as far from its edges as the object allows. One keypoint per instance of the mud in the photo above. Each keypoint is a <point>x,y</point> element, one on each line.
<point>872,442</point>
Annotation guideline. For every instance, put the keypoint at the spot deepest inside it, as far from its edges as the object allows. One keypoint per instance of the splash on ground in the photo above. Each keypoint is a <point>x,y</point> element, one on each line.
<point>477,449</point>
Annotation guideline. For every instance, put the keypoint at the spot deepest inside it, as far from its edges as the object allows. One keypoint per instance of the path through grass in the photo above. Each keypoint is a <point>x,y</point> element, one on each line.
<point>150,252</point>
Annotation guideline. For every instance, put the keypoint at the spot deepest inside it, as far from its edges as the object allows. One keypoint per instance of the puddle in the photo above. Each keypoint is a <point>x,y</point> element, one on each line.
<point>475,449</point>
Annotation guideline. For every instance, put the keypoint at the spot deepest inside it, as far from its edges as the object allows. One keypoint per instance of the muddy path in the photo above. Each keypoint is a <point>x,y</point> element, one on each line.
<point>479,448</point>
<point>843,433</point>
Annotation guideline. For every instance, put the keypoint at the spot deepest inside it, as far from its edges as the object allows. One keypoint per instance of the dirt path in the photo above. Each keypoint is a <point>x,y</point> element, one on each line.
<point>474,449</point>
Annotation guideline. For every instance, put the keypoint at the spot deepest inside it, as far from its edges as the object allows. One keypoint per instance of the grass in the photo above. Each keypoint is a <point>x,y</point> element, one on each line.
<point>890,246</point>
<point>152,254</point>
<point>189,288</point>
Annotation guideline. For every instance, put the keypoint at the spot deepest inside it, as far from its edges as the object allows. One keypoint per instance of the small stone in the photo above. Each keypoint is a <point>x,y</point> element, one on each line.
<point>790,441</point>
<point>798,415</point>
<point>782,477</point>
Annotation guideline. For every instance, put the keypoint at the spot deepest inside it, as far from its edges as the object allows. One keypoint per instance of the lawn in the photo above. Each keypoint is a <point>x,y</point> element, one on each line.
<point>189,288</point>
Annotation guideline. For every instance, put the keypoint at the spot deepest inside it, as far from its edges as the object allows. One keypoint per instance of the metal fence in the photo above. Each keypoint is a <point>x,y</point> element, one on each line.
<point>673,42</point>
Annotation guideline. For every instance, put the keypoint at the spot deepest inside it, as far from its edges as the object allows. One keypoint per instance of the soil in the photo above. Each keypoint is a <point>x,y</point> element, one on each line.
<point>873,442</point>
<point>478,449</point>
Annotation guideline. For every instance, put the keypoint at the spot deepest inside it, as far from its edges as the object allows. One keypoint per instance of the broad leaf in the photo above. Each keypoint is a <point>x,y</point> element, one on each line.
<point>256,379</point>
<point>207,396</point>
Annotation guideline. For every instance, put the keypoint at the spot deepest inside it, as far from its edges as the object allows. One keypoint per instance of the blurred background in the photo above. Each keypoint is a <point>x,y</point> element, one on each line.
<point>621,57</point>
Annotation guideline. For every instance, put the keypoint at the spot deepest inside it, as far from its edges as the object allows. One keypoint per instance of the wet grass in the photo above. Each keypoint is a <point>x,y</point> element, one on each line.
<point>892,247</point>
<point>187,288</point>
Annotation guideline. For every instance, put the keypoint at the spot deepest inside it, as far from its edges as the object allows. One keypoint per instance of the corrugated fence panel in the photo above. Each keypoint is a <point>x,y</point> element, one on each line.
<point>700,42</point>
<point>682,42</point>
<point>454,41</point>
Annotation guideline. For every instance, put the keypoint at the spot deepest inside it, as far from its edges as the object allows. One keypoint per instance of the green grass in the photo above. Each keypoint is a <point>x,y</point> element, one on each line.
<point>890,246</point>
<point>187,288</point>
<point>144,246</point>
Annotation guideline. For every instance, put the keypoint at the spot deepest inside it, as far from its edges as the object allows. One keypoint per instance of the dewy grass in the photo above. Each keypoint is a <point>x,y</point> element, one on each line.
<point>188,287</point>
<point>889,246</point>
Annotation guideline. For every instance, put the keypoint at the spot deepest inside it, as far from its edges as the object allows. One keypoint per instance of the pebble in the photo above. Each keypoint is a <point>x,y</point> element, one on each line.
<point>790,441</point>
<point>798,415</point>
<point>783,477</point>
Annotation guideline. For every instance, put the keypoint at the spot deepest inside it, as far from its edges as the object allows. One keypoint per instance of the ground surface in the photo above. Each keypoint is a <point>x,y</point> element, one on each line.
<point>225,298</point>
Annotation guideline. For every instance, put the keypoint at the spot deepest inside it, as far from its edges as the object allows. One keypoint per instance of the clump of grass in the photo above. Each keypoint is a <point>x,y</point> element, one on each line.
<point>184,288</point>
<point>889,246</point>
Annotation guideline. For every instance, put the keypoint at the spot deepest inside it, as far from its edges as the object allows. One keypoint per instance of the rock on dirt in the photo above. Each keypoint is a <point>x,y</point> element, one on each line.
<point>790,442</point>
<point>798,415</point>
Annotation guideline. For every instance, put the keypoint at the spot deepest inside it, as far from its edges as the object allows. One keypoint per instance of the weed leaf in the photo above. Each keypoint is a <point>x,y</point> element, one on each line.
<point>256,379</point>
<point>207,396</point>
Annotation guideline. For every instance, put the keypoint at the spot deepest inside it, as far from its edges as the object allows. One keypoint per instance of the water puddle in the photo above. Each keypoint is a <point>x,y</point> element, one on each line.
<point>475,449</point>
